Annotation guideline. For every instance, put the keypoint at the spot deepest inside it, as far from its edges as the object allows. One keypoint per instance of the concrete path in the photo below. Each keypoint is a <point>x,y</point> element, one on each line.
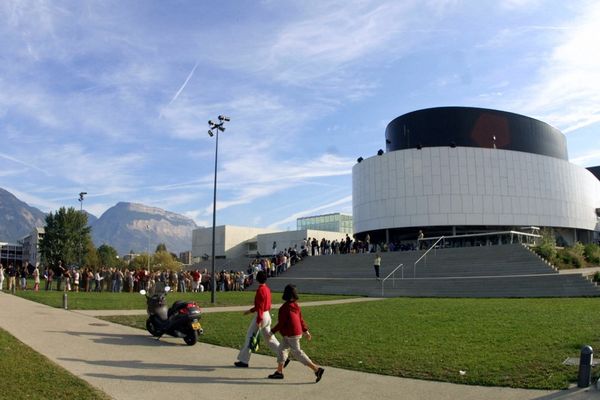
<point>128,364</point>
<point>208,310</point>
<point>581,271</point>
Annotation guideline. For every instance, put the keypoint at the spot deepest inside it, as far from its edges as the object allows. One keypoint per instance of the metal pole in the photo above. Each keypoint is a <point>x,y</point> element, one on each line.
<point>81,233</point>
<point>148,230</point>
<point>213,278</point>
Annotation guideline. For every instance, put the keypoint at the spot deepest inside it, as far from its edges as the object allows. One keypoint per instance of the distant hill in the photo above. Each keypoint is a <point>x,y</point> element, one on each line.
<point>17,218</point>
<point>122,226</point>
<point>91,218</point>
<point>133,227</point>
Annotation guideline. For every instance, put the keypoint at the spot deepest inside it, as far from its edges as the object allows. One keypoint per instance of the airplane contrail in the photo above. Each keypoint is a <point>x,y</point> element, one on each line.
<point>184,85</point>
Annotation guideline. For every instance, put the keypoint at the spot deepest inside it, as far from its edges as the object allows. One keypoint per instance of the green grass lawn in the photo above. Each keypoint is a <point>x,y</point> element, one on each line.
<point>498,342</point>
<point>28,375</point>
<point>135,301</point>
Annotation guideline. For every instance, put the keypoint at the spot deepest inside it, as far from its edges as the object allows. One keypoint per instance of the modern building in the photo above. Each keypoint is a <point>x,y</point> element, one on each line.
<point>463,170</point>
<point>31,247</point>
<point>240,241</point>
<point>11,253</point>
<point>185,257</point>
<point>335,222</point>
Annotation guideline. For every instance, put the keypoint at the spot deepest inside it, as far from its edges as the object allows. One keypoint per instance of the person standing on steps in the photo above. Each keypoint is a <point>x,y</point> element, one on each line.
<point>377,264</point>
<point>262,322</point>
<point>420,243</point>
<point>292,327</point>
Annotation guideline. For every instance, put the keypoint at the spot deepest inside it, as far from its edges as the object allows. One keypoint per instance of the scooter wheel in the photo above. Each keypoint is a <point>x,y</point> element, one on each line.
<point>191,338</point>
<point>151,328</point>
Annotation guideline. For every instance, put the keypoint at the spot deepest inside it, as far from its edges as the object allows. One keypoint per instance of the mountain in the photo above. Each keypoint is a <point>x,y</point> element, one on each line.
<point>91,218</point>
<point>17,219</point>
<point>139,228</point>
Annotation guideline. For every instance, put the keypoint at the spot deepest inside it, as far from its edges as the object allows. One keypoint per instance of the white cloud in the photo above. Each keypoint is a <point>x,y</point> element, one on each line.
<point>590,157</point>
<point>567,90</point>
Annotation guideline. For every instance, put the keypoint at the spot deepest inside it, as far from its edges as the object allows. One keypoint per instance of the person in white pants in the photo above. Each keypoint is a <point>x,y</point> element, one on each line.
<point>262,322</point>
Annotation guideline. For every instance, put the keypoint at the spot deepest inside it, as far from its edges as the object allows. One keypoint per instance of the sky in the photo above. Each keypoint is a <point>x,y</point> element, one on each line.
<point>113,98</point>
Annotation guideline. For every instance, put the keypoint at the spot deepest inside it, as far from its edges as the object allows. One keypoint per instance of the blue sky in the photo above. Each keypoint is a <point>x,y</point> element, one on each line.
<point>113,97</point>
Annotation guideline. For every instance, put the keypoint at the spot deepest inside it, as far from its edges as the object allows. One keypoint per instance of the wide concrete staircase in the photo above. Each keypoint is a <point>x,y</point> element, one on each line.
<point>490,271</point>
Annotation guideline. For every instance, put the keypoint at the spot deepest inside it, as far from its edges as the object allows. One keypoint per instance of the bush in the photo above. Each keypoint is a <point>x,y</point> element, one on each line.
<point>596,277</point>
<point>547,247</point>
<point>569,258</point>
<point>592,253</point>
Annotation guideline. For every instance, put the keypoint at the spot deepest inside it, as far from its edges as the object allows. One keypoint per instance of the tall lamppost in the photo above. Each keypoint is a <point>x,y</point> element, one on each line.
<point>214,129</point>
<point>148,230</point>
<point>81,194</point>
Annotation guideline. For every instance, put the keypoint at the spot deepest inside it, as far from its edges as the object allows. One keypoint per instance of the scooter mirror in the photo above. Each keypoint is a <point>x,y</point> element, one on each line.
<point>142,291</point>
<point>167,289</point>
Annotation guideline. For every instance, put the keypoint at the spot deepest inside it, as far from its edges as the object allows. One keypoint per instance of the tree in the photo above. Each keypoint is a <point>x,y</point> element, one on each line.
<point>140,261</point>
<point>91,256</point>
<point>161,247</point>
<point>164,260</point>
<point>108,256</point>
<point>65,238</point>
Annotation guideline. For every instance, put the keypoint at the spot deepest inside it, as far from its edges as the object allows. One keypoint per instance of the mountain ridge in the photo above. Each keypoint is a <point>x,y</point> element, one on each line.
<point>125,226</point>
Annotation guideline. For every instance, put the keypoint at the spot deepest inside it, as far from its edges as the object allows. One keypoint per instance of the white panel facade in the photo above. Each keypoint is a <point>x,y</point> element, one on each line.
<point>471,186</point>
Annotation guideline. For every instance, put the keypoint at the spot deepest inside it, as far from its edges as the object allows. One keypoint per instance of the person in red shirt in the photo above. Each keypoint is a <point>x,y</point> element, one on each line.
<point>262,322</point>
<point>292,327</point>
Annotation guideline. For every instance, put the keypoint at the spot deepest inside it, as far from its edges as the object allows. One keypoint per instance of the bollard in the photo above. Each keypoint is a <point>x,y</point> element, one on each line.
<point>585,367</point>
<point>65,303</point>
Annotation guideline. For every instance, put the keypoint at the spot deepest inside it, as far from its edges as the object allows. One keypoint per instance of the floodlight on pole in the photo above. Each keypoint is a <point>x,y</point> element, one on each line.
<point>214,129</point>
<point>148,230</point>
<point>81,194</point>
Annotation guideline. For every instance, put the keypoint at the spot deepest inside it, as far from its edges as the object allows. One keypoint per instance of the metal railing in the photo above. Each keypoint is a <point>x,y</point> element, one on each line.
<point>510,237</point>
<point>424,256</point>
<point>393,275</point>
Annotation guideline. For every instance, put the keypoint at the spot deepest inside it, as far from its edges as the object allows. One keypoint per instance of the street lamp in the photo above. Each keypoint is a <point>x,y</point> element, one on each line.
<point>214,129</point>
<point>81,194</point>
<point>148,230</point>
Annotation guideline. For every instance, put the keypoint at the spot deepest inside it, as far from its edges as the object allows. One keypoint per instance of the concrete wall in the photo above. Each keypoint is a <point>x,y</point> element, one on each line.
<point>230,241</point>
<point>471,186</point>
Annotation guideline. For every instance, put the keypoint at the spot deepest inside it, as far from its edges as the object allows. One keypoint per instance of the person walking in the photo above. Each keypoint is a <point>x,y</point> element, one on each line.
<point>36,279</point>
<point>262,322</point>
<point>1,277</point>
<point>377,264</point>
<point>11,271</point>
<point>292,327</point>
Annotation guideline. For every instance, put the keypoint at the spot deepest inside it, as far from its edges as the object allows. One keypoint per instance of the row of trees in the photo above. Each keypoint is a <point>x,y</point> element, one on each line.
<point>68,239</point>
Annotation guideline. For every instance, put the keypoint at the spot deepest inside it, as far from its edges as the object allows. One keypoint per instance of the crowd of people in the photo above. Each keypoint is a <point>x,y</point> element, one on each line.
<point>106,279</point>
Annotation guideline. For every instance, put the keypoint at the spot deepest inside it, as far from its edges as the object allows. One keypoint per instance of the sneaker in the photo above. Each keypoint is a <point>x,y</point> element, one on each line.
<point>319,374</point>
<point>240,364</point>
<point>276,375</point>
<point>285,364</point>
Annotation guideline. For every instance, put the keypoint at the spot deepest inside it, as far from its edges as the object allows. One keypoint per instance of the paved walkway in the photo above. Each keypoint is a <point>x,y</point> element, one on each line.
<point>208,310</point>
<point>128,364</point>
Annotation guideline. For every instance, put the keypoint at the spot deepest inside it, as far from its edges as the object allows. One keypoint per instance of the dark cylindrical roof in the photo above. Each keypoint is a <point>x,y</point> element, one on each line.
<point>595,171</point>
<point>474,127</point>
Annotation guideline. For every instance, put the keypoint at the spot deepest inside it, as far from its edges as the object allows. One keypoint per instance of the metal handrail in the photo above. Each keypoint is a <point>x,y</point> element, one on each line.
<point>425,254</point>
<point>394,279</point>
